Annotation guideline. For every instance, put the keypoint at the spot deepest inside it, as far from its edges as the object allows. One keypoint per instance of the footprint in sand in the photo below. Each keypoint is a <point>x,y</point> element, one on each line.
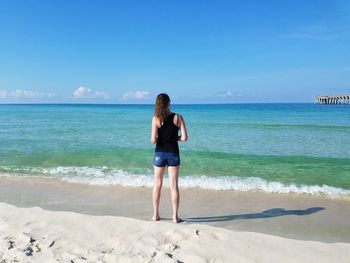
<point>164,258</point>
<point>217,236</point>
<point>31,240</point>
<point>174,236</point>
<point>168,247</point>
<point>12,244</point>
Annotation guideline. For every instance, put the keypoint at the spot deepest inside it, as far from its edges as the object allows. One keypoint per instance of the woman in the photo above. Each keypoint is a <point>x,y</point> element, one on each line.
<point>165,134</point>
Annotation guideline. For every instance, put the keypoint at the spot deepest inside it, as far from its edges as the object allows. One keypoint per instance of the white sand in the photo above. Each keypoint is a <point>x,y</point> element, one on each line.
<point>37,235</point>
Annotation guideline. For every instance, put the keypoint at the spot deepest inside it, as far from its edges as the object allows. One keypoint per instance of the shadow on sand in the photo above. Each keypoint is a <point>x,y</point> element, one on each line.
<point>264,214</point>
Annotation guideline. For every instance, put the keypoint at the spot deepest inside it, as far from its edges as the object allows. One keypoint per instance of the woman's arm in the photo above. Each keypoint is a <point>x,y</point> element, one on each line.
<point>184,135</point>
<point>154,134</point>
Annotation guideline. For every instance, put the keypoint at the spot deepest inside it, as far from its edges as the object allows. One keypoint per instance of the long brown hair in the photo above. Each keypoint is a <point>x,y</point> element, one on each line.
<point>161,108</point>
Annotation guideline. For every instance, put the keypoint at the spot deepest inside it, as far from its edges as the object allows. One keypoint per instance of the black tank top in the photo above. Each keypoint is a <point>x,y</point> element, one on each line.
<point>168,136</point>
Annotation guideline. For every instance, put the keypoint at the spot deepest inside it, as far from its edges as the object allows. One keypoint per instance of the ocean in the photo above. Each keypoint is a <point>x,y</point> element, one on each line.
<point>281,148</point>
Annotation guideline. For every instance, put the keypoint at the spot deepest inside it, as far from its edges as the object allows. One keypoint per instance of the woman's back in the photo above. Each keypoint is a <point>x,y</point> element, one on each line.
<point>168,135</point>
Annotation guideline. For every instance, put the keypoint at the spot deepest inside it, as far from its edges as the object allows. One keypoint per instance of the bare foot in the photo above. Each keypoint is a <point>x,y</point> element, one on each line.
<point>177,220</point>
<point>155,218</point>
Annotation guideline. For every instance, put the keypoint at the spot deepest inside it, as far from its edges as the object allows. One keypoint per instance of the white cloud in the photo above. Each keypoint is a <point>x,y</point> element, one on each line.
<point>26,94</point>
<point>86,93</point>
<point>81,91</point>
<point>139,95</point>
<point>19,93</point>
<point>3,94</point>
<point>51,94</point>
<point>224,94</point>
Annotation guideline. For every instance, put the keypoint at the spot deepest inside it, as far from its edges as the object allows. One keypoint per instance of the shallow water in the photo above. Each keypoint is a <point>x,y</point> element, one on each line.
<point>268,147</point>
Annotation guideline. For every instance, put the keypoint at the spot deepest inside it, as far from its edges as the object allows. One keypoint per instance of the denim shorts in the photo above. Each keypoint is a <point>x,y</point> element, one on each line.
<point>161,159</point>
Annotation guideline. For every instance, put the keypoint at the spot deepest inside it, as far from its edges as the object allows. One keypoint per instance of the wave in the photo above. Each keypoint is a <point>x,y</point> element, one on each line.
<point>107,176</point>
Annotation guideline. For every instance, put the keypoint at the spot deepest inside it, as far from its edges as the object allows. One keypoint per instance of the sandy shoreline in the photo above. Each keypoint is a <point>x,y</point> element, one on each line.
<point>36,235</point>
<point>48,220</point>
<point>295,216</point>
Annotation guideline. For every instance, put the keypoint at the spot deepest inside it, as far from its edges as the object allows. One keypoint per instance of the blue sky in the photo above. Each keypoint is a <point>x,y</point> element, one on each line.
<point>196,51</point>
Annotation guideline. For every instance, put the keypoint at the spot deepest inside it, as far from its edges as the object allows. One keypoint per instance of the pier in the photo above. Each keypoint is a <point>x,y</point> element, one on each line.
<point>338,99</point>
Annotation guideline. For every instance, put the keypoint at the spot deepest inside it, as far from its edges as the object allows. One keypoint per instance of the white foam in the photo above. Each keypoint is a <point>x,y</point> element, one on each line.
<point>104,176</point>
<point>100,176</point>
<point>107,176</point>
<point>259,184</point>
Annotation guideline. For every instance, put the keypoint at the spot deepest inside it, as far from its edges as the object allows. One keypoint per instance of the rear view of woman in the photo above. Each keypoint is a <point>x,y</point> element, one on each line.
<point>165,134</point>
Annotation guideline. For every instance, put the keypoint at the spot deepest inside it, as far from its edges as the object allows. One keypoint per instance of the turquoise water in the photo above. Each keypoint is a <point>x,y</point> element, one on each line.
<point>268,147</point>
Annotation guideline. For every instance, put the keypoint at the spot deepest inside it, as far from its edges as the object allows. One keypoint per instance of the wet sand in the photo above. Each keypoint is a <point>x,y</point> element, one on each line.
<point>295,216</point>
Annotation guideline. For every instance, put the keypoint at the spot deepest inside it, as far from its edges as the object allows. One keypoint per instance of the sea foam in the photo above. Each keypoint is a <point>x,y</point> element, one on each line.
<point>107,176</point>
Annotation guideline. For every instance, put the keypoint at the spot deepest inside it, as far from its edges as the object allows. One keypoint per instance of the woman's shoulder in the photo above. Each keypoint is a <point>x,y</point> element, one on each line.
<point>156,121</point>
<point>175,113</point>
<point>177,119</point>
<point>178,115</point>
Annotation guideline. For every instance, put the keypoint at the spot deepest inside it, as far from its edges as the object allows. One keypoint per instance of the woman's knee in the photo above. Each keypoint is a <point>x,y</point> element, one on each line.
<point>173,186</point>
<point>158,183</point>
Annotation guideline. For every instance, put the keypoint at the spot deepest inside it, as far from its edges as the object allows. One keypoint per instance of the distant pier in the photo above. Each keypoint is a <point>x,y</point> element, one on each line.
<point>338,99</point>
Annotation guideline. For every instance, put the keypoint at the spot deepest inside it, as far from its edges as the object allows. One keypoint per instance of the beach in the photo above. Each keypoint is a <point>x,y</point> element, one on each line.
<point>246,106</point>
<point>46,220</point>
<point>258,184</point>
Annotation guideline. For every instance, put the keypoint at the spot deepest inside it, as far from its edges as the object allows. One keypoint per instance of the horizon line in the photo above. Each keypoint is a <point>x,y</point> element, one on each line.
<point>94,103</point>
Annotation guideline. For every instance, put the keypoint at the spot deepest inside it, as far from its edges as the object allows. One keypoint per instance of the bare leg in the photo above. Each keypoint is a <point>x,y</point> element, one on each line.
<point>173,172</point>
<point>158,176</point>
